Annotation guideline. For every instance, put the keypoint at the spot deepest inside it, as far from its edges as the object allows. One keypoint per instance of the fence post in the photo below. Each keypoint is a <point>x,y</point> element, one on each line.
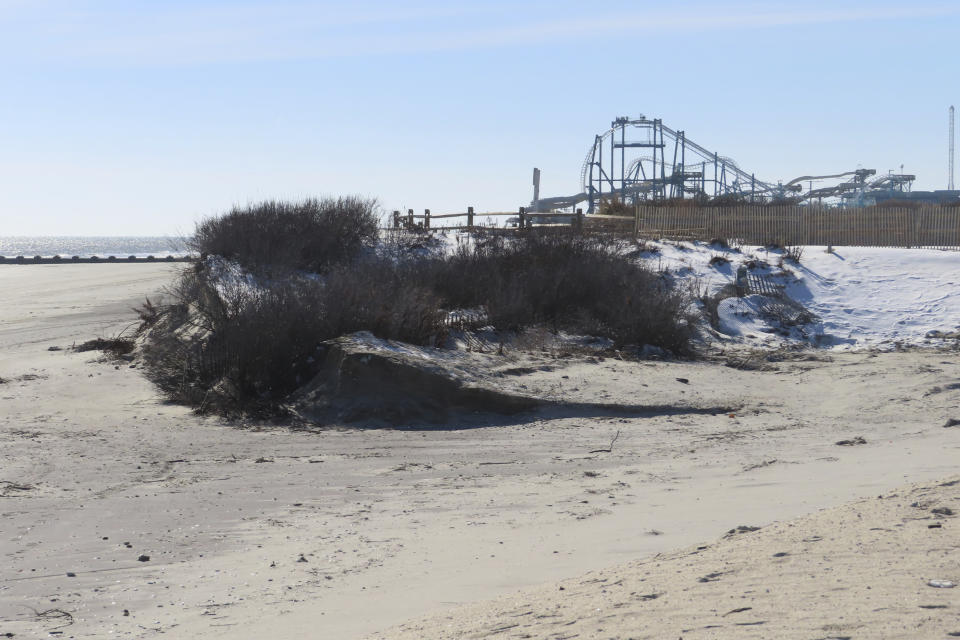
<point>578,220</point>
<point>470,217</point>
<point>426,218</point>
<point>741,281</point>
<point>917,227</point>
<point>523,218</point>
<point>396,219</point>
<point>409,218</point>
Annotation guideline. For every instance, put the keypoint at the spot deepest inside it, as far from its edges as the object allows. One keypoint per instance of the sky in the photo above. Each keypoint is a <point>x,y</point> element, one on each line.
<point>127,117</point>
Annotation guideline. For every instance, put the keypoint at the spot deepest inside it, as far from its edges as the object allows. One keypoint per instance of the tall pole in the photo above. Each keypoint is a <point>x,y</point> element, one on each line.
<point>623,160</point>
<point>950,160</point>
<point>536,189</point>
<point>663,160</point>
<point>673,170</point>
<point>652,193</point>
<point>613,175</point>
<point>683,160</point>
<point>593,161</point>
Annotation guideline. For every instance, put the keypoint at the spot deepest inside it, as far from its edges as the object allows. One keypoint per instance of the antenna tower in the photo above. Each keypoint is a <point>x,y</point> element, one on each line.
<point>950,161</point>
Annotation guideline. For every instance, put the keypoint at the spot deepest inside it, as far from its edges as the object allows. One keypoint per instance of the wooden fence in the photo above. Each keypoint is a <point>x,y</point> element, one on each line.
<point>928,226</point>
<point>468,219</point>
<point>520,219</point>
<point>931,226</point>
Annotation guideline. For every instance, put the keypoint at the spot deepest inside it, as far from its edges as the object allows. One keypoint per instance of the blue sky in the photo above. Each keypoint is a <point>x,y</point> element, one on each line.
<point>127,117</point>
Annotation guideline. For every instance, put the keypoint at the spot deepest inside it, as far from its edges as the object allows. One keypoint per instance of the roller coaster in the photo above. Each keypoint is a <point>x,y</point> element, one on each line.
<point>644,160</point>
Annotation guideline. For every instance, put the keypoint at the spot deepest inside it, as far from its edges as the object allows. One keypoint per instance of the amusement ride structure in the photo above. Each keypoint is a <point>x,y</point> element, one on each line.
<point>642,159</point>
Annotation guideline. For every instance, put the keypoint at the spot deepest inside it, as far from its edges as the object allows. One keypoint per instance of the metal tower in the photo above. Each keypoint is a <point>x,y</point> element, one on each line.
<point>631,161</point>
<point>950,160</point>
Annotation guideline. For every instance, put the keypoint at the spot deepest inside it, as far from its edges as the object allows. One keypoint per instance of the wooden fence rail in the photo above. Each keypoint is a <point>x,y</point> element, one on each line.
<point>520,219</point>
<point>932,226</point>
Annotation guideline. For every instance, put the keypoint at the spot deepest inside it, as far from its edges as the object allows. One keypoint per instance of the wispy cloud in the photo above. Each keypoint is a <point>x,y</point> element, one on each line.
<point>125,34</point>
<point>690,20</point>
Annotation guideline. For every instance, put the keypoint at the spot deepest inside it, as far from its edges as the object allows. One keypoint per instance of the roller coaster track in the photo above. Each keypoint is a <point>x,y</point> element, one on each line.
<point>645,167</point>
<point>806,178</point>
<point>668,136</point>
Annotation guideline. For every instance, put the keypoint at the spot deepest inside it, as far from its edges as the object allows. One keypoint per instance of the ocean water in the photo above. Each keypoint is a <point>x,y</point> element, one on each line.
<point>86,246</point>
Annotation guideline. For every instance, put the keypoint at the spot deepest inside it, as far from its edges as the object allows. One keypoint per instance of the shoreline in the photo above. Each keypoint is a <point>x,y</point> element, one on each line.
<point>35,260</point>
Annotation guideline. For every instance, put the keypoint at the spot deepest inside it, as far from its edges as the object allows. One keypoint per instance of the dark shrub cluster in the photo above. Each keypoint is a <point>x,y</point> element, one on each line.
<point>229,345</point>
<point>566,281</point>
<point>231,341</point>
<point>309,235</point>
<point>384,297</point>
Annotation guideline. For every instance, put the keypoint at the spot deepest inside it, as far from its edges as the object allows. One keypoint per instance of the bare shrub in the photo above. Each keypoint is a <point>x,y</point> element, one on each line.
<point>615,207</point>
<point>793,253</point>
<point>384,297</point>
<point>148,313</point>
<point>711,309</point>
<point>642,247</point>
<point>401,245</point>
<point>309,235</point>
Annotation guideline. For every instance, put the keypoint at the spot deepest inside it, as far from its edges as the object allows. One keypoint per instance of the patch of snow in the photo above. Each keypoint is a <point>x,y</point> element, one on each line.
<point>862,296</point>
<point>742,317</point>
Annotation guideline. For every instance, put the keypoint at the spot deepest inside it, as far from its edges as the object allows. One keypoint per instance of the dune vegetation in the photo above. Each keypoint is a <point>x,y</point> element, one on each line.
<point>246,324</point>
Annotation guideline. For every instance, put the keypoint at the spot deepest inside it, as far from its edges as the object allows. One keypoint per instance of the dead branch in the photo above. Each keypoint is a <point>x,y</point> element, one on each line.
<point>7,485</point>
<point>53,614</point>
<point>610,448</point>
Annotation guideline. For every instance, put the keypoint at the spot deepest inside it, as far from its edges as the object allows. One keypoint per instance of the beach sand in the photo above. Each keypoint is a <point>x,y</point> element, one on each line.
<point>876,568</point>
<point>125,516</point>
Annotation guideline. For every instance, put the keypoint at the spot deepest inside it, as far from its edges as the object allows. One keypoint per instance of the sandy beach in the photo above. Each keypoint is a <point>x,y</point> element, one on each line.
<point>871,569</point>
<point>126,516</point>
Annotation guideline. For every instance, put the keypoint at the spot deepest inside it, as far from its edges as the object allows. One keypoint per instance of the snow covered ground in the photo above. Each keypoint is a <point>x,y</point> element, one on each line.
<point>861,297</point>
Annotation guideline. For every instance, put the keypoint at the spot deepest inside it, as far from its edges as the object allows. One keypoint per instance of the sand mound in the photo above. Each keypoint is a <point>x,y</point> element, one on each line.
<point>878,568</point>
<point>367,379</point>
